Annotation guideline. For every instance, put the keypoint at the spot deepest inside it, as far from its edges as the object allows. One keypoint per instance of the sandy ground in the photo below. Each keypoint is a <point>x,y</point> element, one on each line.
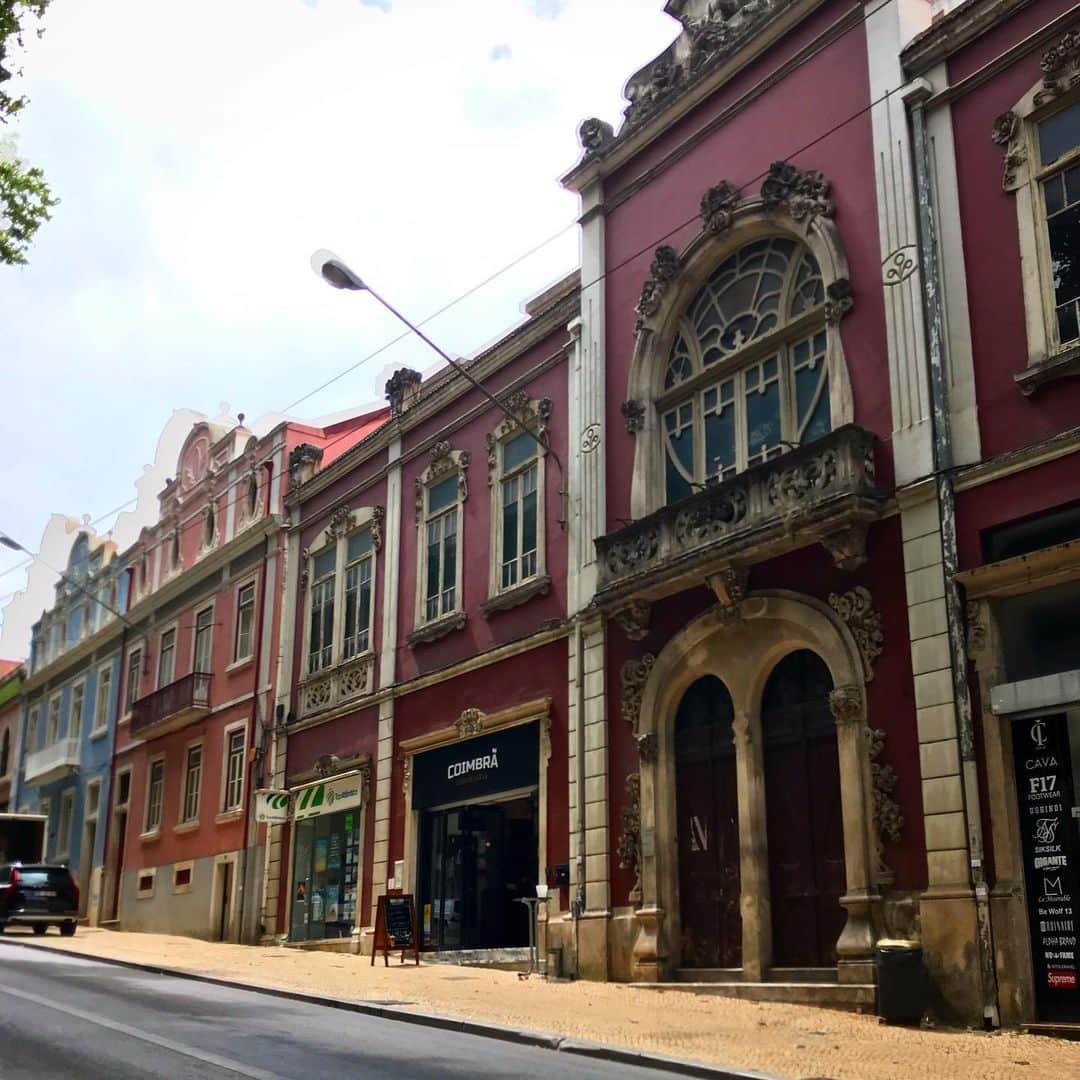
<point>791,1040</point>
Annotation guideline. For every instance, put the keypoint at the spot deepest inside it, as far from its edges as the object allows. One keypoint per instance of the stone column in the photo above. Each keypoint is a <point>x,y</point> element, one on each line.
<point>754,899</point>
<point>855,947</point>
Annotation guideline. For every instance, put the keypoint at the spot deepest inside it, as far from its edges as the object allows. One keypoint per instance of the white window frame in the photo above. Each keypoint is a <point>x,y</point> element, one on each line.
<point>344,524</point>
<point>253,584</point>
<point>101,705</point>
<point>63,835</point>
<point>77,688</point>
<point>185,820</point>
<point>1017,131</point>
<point>137,649</point>
<point>127,771</point>
<point>227,810</point>
<point>140,875</point>
<point>52,720</point>
<point>533,416</point>
<point>154,829</point>
<point>202,609</point>
<point>173,629</point>
<point>94,813</point>
<point>445,463</point>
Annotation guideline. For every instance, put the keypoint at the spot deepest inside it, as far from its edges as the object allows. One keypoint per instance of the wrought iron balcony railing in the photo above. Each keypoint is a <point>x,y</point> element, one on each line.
<point>172,706</point>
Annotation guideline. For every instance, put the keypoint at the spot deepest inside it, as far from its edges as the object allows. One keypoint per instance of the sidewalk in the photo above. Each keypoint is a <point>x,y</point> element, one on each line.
<point>789,1040</point>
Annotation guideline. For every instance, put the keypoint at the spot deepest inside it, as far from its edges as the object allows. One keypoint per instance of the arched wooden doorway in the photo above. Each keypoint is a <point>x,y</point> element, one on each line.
<point>804,812</point>
<point>708,827</point>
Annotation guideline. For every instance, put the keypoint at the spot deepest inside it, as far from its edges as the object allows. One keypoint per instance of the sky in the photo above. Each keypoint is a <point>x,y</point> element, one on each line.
<point>202,151</point>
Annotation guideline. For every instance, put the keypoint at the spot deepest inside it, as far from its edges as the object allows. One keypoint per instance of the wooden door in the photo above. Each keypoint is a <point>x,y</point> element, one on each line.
<point>804,821</point>
<point>708,828</point>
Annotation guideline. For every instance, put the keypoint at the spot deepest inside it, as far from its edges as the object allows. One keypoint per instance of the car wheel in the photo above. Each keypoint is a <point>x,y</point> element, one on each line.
<point>67,929</point>
<point>39,929</point>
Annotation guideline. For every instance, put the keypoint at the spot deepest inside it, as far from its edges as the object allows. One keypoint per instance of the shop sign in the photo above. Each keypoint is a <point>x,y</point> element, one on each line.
<point>475,768</point>
<point>271,806</point>
<point>329,796</point>
<point>1044,784</point>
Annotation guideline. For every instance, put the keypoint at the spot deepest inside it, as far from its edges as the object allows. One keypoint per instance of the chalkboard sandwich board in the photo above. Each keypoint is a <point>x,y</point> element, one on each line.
<point>395,926</point>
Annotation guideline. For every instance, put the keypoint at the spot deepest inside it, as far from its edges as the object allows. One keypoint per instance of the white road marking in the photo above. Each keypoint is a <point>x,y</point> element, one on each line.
<point>146,1036</point>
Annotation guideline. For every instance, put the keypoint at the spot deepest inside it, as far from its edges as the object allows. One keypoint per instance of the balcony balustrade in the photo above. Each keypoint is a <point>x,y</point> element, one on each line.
<point>52,762</point>
<point>172,706</point>
<point>824,492</point>
<point>327,689</point>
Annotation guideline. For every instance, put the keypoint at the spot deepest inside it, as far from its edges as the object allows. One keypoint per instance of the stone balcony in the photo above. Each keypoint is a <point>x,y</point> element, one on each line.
<point>172,706</point>
<point>52,762</point>
<point>824,492</point>
<point>350,679</point>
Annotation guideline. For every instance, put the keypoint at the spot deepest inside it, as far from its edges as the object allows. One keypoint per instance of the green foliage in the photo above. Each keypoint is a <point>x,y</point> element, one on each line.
<point>25,199</point>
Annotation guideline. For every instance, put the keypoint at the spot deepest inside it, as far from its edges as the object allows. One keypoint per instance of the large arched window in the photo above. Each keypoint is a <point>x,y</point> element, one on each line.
<point>747,374</point>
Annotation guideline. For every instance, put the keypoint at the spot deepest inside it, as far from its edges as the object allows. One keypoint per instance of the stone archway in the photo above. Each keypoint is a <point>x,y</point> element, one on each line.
<point>741,651</point>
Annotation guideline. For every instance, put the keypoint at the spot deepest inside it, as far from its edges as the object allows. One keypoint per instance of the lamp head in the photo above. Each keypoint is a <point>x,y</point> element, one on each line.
<point>9,543</point>
<point>334,271</point>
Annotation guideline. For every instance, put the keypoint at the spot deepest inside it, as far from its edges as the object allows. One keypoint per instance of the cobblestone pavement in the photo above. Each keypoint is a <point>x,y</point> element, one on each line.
<point>790,1040</point>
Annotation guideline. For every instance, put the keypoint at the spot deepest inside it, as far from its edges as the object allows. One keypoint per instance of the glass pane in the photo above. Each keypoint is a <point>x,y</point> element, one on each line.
<point>351,585</point>
<point>1067,324</point>
<point>449,561</point>
<point>442,494</point>
<point>1064,229</point>
<point>681,364</point>
<point>720,442</point>
<point>1072,184</point>
<point>357,545</point>
<point>528,526</point>
<point>762,420</point>
<point>510,534</point>
<point>1054,193</point>
<point>811,389</point>
<point>1059,133</point>
<point>434,548</point>
<point>364,618</point>
<point>324,564</point>
<point>518,450</point>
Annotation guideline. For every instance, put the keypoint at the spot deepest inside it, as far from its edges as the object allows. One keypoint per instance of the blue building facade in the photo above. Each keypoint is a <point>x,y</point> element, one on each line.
<point>69,712</point>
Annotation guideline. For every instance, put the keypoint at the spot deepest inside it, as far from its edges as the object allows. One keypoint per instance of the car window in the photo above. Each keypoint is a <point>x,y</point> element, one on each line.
<point>5,875</point>
<point>43,875</point>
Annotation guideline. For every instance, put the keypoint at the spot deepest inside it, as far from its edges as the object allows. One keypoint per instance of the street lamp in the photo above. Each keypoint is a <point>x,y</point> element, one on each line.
<point>337,273</point>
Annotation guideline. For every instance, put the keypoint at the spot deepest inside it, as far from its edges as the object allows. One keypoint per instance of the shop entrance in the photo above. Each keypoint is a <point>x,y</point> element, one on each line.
<point>1047,758</point>
<point>476,862</point>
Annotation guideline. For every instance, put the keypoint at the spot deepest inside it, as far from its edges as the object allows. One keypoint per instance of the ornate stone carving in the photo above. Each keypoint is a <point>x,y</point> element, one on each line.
<point>1005,128</point>
<point>976,628</point>
<point>811,474</point>
<point>354,679</point>
<point>663,270</point>
<point>470,722</point>
<point>303,461</point>
<point>378,516</point>
<point>529,415</point>
<point>718,206</point>
<point>594,135</point>
<point>1007,133</point>
<point>1061,68</point>
<point>444,461</point>
<point>899,265</point>
<point>634,620</point>
<point>590,438</point>
<point>847,546</point>
<point>839,300</point>
<point>719,510</point>
<point>305,568</point>
<point>648,746</point>
<point>804,195</point>
<point>846,705</point>
<point>628,846</point>
<point>406,779</point>
<point>856,608</point>
<point>634,674</point>
<point>316,696</point>
<point>341,522</point>
<point>351,679</point>
<point>888,820</point>
<point>634,415</point>
<point>633,551</point>
<point>729,585</point>
<point>401,389</point>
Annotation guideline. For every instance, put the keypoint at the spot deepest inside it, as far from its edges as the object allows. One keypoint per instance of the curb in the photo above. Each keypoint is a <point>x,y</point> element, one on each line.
<point>521,1036</point>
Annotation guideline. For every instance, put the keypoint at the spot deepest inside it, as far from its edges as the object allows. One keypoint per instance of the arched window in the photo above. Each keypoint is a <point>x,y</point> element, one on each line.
<point>252,495</point>
<point>746,377</point>
<point>209,526</point>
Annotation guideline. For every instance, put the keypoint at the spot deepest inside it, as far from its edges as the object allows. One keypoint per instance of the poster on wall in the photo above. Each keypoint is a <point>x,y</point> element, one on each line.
<point>319,865</point>
<point>1044,787</point>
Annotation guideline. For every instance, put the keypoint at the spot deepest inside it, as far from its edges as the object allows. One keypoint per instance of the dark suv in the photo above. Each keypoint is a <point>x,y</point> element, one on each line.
<point>38,896</point>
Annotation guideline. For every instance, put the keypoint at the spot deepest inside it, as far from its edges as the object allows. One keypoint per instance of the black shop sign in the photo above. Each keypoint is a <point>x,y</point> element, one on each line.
<point>476,768</point>
<point>1044,786</point>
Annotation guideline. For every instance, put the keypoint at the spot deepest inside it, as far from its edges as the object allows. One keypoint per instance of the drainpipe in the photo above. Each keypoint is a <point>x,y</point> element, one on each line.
<point>577,906</point>
<point>943,465</point>
<point>253,718</point>
<point>114,889</point>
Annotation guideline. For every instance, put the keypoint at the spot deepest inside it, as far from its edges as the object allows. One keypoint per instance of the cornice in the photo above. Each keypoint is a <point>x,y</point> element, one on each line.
<point>1052,566</point>
<point>953,31</point>
<point>444,388</point>
<point>1028,457</point>
<point>74,656</point>
<point>634,136</point>
<point>516,714</point>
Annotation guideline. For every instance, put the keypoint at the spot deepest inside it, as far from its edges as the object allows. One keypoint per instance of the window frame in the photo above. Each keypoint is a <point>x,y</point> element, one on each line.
<point>33,725</point>
<point>532,416</point>
<point>88,813</point>
<point>252,583</point>
<point>63,842</point>
<point>129,701</point>
<point>53,717</point>
<point>154,829</point>
<point>225,808</point>
<point>202,610</point>
<point>102,683</point>
<point>185,820</point>
<point>77,687</point>
<point>174,629</point>
<point>445,464</point>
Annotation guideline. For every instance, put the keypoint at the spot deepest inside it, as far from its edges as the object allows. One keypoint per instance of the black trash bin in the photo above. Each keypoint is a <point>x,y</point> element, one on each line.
<point>901,981</point>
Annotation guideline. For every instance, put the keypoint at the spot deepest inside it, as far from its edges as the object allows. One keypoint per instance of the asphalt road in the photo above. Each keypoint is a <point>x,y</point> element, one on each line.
<point>63,1016</point>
